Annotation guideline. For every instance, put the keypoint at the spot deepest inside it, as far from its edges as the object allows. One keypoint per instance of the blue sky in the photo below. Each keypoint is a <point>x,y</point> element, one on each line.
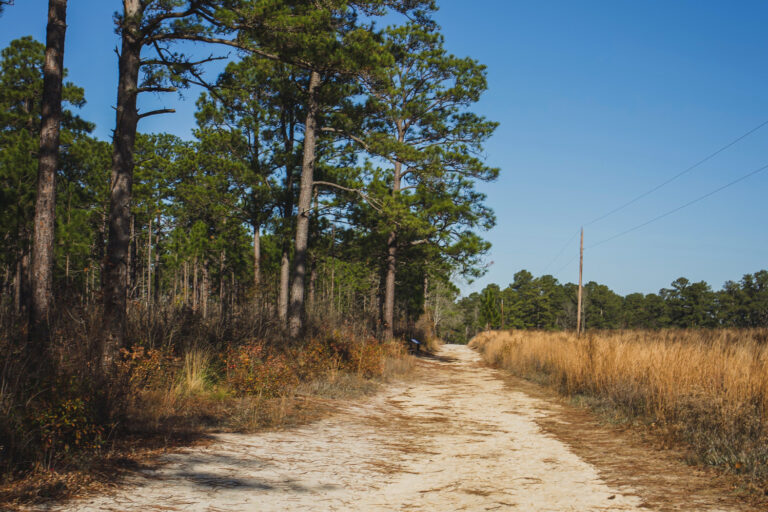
<point>598,101</point>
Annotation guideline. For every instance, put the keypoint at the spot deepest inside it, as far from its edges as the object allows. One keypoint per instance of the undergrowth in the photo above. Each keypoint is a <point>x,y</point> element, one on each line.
<point>180,376</point>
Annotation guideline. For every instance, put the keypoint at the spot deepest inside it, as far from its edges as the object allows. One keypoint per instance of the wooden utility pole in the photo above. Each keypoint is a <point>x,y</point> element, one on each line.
<point>581,269</point>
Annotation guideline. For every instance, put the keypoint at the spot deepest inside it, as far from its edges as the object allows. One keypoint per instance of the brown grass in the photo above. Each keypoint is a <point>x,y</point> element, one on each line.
<point>708,388</point>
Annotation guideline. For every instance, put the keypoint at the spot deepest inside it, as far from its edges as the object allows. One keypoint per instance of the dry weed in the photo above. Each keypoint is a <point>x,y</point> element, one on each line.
<point>708,388</point>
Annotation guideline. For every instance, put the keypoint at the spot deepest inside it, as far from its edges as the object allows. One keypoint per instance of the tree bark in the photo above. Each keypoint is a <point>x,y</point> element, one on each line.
<point>194,287</point>
<point>389,281</point>
<point>256,257</point>
<point>149,264</point>
<point>205,289</point>
<point>312,284</point>
<point>288,130</point>
<point>296,306</point>
<point>389,287</point>
<point>45,205</point>
<point>285,277</point>
<point>156,286</point>
<point>130,276</point>
<point>222,264</point>
<point>127,118</point>
<point>18,286</point>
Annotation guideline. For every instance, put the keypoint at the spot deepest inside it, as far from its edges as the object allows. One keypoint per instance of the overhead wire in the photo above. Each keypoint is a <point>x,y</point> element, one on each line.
<point>657,187</point>
<point>560,253</point>
<point>689,203</point>
<point>676,176</point>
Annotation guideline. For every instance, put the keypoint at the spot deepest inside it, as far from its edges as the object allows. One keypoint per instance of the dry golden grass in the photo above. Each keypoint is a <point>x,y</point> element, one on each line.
<point>708,388</point>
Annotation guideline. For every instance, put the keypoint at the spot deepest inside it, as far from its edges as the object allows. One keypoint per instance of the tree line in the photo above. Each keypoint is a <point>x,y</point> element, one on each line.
<point>544,303</point>
<point>331,172</point>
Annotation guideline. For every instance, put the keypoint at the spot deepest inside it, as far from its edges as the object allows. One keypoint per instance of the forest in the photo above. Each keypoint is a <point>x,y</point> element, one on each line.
<point>319,210</point>
<point>543,303</point>
<point>284,255</point>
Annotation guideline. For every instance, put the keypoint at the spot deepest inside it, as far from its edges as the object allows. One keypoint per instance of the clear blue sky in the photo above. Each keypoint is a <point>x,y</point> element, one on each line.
<point>598,102</point>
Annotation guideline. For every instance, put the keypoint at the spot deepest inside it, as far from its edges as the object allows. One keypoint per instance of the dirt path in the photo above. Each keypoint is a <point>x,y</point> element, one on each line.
<point>460,438</point>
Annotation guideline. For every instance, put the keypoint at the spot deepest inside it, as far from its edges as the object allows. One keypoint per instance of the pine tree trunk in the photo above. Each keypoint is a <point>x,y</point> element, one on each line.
<point>312,284</point>
<point>17,287</point>
<point>175,285</point>
<point>296,306</point>
<point>288,130</point>
<point>256,257</point>
<point>205,290</point>
<point>157,277</point>
<point>285,276</point>
<point>389,281</point>
<point>194,286</point>
<point>45,205</point>
<point>115,279</point>
<point>389,287</point>
<point>149,264</point>
<point>130,276</point>
<point>222,263</point>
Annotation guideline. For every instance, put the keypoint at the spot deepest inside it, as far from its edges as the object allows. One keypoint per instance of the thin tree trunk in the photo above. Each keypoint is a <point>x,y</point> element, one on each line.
<point>222,263</point>
<point>312,284</point>
<point>233,292</point>
<point>149,264</point>
<point>17,288</point>
<point>157,271</point>
<point>256,257</point>
<point>130,276</point>
<point>45,205</point>
<point>296,306</point>
<point>333,265</point>
<point>115,280</point>
<point>185,285</point>
<point>194,286</point>
<point>204,290</point>
<point>285,276</point>
<point>288,130</point>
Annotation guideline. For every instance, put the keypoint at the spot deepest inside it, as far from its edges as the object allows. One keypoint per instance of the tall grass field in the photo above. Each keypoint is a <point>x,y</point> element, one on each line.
<point>706,388</point>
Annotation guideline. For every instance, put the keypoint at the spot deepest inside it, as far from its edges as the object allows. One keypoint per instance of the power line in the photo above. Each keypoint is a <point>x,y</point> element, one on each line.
<point>673,178</point>
<point>689,203</point>
<point>569,262</point>
<point>557,257</point>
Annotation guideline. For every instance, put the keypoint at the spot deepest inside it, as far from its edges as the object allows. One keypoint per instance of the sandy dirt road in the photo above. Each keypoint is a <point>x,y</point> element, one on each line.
<point>459,437</point>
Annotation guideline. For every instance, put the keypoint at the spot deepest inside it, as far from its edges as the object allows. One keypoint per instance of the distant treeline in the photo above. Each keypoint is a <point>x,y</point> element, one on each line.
<point>544,303</point>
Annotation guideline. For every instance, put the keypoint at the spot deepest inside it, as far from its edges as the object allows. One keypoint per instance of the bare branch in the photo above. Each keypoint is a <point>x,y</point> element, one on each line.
<point>156,112</point>
<point>374,204</point>
<point>156,89</point>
